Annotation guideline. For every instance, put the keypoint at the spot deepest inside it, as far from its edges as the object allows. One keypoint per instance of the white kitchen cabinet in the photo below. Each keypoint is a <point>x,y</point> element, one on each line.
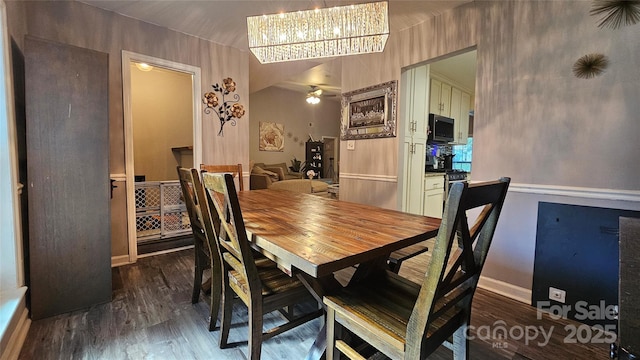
<point>451,101</point>
<point>433,196</point>
<point>414,122</point>
<point>460,106</point>
<point>440,98</point>
<point>463,127</point>
<point>456,99</point>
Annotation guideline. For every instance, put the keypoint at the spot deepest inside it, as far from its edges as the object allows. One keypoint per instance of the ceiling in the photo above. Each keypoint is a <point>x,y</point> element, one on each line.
<point>224,22</point>
<point>460,68</point>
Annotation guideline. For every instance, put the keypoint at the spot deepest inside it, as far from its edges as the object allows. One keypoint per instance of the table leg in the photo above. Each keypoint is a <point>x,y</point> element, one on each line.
<point>319,345</point>
<point>318,288</point>
<point>369,269</point>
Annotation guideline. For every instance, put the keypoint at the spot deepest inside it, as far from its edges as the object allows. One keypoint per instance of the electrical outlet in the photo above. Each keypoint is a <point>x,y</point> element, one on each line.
<point>557,294</point>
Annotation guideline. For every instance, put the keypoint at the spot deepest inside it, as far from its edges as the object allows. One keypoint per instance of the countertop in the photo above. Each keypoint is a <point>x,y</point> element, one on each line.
<point>429,173</point>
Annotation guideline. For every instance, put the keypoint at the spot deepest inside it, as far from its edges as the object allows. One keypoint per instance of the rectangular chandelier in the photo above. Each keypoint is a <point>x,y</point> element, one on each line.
<point>319,33</point>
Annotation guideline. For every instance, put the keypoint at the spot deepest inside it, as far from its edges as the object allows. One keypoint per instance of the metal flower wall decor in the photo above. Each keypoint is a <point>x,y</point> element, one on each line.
<point>616,13</point>
<point>590,65</point>
<point>227,110</point>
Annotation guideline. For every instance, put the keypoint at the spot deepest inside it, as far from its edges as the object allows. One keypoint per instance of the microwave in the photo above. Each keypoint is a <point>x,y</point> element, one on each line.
<point>440,129</point>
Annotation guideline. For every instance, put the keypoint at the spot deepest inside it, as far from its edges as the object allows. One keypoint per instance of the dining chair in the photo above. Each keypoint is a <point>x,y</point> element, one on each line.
<point>235,170</point>
<point>206,250</point>
<point>263,289</point>
<point>405,320</point>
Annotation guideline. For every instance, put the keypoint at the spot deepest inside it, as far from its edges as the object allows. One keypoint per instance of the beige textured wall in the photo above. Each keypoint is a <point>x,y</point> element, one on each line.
<point>290,108</point>
<point>534,121</point>
<point>78,24</point>
<point>377,159</point>
<point>162,113</point>
<point>537,122</point>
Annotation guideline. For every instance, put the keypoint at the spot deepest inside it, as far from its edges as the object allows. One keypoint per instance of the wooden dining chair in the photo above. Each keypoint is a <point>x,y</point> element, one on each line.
<point>405,320</point>
<point>235,170</point>
<point>206,249</point>
<point>263,289</point>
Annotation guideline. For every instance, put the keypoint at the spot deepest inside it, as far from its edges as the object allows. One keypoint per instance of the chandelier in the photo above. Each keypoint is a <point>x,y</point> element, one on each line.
<point>319,33</point>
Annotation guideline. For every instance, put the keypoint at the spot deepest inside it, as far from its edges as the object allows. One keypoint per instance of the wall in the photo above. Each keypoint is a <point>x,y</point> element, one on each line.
<point>559,138</point>
<point>290,108</point>
<point>162,113</point>
<point>81,25</point>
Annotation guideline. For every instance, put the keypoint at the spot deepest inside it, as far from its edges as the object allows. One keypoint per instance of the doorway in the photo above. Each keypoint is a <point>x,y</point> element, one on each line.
<point>330,161</point>
<point>448,84</point>
<point>163,124</point>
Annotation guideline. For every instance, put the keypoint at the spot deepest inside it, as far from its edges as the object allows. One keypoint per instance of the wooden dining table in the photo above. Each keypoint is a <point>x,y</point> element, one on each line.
<point>313,237</point>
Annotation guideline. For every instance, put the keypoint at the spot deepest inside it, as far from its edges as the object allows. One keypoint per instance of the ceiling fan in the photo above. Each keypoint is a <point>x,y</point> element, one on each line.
<point>314,94</point>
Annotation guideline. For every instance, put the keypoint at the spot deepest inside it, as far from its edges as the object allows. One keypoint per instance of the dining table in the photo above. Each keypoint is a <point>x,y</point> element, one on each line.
<point>312,237</point>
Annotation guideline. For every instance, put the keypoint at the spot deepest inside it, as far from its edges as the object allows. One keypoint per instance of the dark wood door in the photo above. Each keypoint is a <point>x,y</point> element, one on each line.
<point>66,90</point>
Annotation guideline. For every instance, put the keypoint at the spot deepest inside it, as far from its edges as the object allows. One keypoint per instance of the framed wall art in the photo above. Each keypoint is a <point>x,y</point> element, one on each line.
<point>370,113</point>
<point>271,136</point>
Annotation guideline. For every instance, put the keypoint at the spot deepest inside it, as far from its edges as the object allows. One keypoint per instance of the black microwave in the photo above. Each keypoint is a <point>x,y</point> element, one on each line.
<point>440,129</point>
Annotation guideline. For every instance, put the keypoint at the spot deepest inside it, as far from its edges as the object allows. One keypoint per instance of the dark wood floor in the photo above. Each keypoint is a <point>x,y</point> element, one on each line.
<point>151,317</point>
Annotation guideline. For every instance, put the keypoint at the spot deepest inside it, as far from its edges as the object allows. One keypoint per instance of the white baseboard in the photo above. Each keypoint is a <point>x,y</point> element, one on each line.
<point>505,289</point>
<point>120,260</point>
<point>17,334</point>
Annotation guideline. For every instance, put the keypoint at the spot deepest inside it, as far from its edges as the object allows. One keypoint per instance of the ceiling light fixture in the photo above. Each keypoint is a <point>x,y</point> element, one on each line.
<point>313,96</point>
<point>319,33</point>
<point>313,99</point>
<point>144,66</point>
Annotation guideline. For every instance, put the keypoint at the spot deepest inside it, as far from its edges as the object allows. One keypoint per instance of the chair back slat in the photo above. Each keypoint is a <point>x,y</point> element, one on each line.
<point>190,201</point>
<point>221,193</point>
<point>193,195</point>
<point>450,281</point>
<point>234,169</point>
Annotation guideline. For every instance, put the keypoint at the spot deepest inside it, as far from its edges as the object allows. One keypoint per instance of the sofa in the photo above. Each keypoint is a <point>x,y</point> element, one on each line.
<point>263,175</point>
<point>273,176</point>
<point>281,169</point>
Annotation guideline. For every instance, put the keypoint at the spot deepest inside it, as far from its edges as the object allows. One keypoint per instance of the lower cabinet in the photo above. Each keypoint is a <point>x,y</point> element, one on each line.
<point>433,196</point>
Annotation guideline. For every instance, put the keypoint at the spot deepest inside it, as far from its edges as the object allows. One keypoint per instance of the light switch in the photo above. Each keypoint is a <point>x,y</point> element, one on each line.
<point>351,144</point>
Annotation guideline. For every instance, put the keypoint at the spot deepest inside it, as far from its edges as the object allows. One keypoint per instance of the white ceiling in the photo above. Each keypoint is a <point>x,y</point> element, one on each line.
<point>224,22</point>
<point>460,68</point>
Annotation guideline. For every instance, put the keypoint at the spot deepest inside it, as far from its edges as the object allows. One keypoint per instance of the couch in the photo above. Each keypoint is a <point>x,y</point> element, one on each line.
<point>281,169</point>
<point>273,177</point>
<point>263,175</point>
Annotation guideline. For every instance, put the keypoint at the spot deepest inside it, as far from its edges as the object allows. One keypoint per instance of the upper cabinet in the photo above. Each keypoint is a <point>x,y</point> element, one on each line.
<point>451,101</point>
<point>417,80</point>
<point>440,102</point>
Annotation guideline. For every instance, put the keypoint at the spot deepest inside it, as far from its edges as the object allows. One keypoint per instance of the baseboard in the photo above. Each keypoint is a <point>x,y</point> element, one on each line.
<point>120,260</point>
<point>16,334</point>
<point>505,289</point>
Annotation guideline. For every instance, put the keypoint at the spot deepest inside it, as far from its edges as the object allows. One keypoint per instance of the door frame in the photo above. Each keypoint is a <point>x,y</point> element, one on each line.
<point>127,58</point>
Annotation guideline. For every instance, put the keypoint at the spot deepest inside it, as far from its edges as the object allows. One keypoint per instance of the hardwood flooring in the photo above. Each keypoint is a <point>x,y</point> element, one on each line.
<point>151,317</point>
